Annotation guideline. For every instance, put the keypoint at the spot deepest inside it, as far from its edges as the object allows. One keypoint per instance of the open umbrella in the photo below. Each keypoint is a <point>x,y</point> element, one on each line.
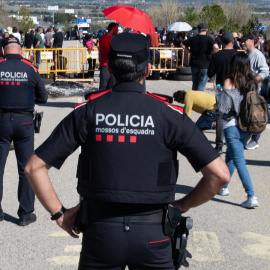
<point>179,27</point>
<point>130,17</point>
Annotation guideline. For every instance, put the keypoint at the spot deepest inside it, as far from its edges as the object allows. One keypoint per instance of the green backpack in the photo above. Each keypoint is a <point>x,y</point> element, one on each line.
<point>253,115</point>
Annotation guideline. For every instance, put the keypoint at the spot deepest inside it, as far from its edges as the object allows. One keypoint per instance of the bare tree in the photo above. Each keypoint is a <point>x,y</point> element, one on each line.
<point>165,14</point>
<point>6,21</point>
<point>239,12</point>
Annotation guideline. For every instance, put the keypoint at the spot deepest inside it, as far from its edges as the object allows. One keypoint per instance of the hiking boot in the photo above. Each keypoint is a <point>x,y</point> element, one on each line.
<point>224,192</point>
<point>251,202</point>
<point>252,145</point>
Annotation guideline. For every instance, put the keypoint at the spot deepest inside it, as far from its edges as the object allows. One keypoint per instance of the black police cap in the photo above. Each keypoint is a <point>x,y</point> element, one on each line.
<point>130,46</point>
<point>9,40</point>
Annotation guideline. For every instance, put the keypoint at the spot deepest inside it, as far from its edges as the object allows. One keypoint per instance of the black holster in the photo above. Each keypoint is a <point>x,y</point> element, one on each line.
<point>37,121</point>
<point>82,217</point>
<point>177,227</point>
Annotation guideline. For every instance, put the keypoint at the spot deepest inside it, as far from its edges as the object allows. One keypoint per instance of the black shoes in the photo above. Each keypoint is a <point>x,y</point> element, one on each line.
<point>1,216</point>
<point>26,221</point>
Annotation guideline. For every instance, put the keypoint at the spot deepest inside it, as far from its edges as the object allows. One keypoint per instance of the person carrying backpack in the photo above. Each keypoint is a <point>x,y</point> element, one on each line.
<point>240,81</point>
<point>260,70</point>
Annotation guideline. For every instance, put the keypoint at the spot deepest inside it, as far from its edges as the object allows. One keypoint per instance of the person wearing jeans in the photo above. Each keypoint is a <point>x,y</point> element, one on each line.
<point>235,141</point>
<point>199,78</point>
<point>240,81</point>
<point>260,70</point>
<point>207,120</point>
<point>201,48</point>
<point>199,102</point>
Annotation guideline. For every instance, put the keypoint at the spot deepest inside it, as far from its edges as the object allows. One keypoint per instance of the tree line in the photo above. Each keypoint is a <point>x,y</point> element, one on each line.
<point>235,17</point>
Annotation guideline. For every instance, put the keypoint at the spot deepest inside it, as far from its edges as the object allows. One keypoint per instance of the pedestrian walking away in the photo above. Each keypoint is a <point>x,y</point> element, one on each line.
<point>260,70</point>
<point>127,168</point>
<point>219,66</point>
<point>201,47</point>
<point>240,81</point>
<point>20,88</point>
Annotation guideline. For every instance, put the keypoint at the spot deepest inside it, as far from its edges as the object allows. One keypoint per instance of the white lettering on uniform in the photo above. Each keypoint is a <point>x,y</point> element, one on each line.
<point>131,120</point>
<point>113,118</point>
<point>149,122</point>
<point>119,121</point>
<point>99,118</point>
<point>13,75</point>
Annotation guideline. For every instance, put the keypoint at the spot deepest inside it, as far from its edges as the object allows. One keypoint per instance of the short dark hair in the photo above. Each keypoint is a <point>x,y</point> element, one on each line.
<point>179,95</point>
<point>221,31</point>
<point>111,26</point>
<point>123,71</point>
<point>15,29</point>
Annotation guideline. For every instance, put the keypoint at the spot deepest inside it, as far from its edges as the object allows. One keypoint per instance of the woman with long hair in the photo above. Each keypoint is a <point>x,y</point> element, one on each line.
<point>89,44</point>
<point>240,81</point>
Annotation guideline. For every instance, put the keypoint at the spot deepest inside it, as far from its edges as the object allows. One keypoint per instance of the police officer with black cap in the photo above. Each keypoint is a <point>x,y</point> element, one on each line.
<point>20,88</point>
<point>127,168</point>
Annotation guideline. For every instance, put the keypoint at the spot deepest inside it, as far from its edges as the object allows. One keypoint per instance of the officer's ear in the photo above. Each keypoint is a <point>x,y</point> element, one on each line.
<point>147,70</point>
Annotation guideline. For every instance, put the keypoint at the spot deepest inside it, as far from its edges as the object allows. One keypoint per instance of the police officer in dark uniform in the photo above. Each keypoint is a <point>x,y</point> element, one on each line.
<point>127,168</point>
<point>20,88</point>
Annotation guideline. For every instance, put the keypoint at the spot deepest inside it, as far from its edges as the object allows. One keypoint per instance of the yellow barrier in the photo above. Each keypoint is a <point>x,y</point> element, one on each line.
<point>60,61</point>
<point>75,59</point>
<point>163,58</point>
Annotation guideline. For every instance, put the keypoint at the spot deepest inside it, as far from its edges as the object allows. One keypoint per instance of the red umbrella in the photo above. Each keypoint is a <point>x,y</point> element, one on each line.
<point>130,17</point>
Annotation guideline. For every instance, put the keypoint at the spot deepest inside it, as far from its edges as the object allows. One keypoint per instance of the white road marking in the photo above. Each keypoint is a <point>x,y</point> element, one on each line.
<point>73,248</point>
<point>206,247</point>
<point>61,234</point>
<point>64,260</point>
<point>260,249</point>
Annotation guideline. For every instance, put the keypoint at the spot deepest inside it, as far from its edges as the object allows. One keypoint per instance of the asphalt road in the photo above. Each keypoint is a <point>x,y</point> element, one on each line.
<point>225,236</point>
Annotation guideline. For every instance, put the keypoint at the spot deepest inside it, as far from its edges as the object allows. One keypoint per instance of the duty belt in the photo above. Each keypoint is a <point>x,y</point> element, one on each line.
<point>151,218</point>
<point>11,114</point>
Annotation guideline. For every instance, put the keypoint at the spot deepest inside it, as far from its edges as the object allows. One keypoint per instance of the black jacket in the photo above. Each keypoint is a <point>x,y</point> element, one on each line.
<point>21,86</point>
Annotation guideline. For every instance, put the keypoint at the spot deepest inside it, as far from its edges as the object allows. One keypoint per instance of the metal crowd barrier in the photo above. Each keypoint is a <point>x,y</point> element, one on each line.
<point>163,58</point>
<point>63,61</point>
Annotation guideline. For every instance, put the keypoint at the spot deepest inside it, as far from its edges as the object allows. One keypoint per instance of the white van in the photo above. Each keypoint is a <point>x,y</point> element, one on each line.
<point>84,26</point>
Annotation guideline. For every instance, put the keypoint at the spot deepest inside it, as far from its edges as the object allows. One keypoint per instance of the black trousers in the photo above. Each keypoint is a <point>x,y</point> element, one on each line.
<point>20,130</point>
<point>91,66</point>
<point>106,80</point>
<point>113,246</point>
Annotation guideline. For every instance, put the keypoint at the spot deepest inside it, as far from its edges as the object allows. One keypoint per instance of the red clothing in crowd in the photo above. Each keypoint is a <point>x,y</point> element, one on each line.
<point>104,47</point>
<point>154,39</point>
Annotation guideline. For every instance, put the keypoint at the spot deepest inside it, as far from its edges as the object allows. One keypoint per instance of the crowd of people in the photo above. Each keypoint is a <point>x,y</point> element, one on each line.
<point>35,38</point>
<point>133,135</point>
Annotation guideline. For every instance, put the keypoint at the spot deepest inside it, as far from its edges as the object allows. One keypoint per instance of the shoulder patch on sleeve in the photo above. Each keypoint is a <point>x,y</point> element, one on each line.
<point>159,97</point>
<point>78,105</point>
<point>177,108</point>
<point>28,62</point>
<point>96,95</point>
